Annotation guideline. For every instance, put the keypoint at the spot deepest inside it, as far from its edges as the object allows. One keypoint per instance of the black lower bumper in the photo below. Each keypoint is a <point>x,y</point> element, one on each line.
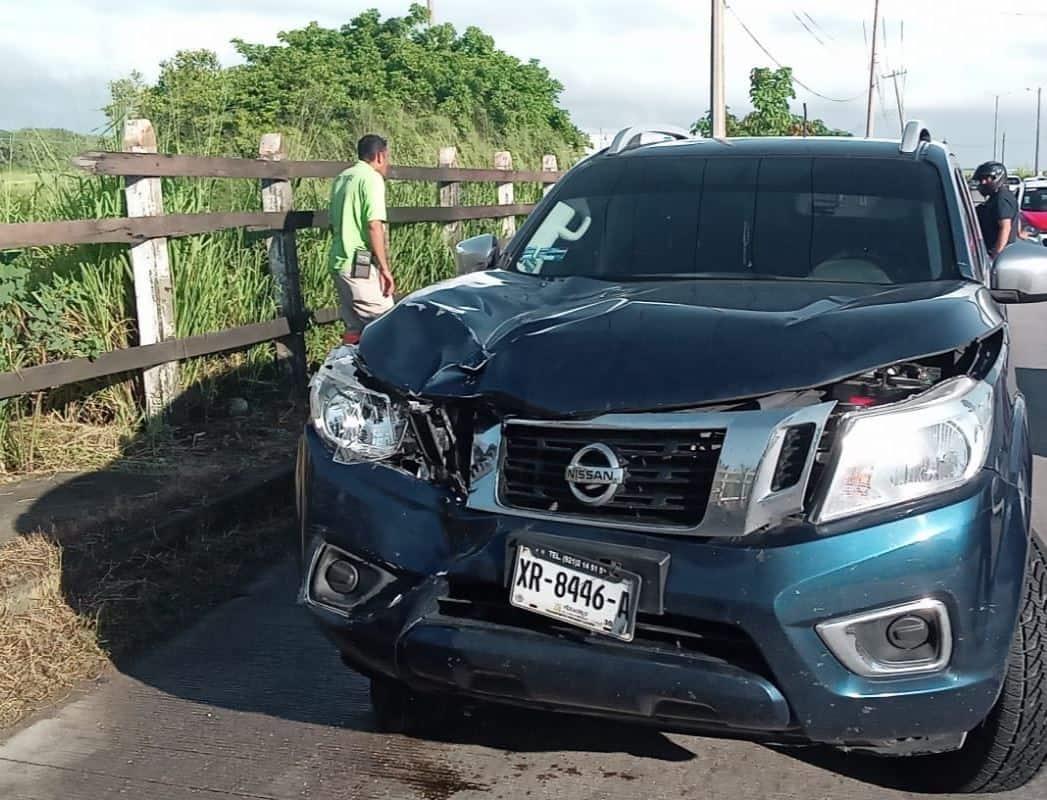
<point>484,660</point>
<point>437,651</point>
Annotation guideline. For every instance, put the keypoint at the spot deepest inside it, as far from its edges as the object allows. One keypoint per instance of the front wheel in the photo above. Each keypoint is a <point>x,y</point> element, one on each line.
<point>1010,747</point>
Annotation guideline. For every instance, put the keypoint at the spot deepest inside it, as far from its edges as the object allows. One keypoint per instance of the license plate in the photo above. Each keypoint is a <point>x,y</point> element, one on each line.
<point>575,590</point>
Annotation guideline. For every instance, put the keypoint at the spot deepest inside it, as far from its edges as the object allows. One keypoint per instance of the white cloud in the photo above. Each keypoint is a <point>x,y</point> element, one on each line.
<point>620,60</point>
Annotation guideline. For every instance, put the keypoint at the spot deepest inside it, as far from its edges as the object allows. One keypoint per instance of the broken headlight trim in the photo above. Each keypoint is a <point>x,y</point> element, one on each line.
<point>358,423</point>
<point>906,451</point>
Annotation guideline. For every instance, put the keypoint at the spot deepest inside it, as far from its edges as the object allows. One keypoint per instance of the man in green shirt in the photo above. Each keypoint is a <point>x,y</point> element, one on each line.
<point>359,257</point>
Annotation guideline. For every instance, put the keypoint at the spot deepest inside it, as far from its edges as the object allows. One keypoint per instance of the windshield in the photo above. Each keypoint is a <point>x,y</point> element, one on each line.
<point>1035,200</point>
<point>877,221</point>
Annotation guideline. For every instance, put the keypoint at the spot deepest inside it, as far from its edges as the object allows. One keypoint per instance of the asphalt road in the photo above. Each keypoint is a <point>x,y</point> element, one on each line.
<point>252,703</point>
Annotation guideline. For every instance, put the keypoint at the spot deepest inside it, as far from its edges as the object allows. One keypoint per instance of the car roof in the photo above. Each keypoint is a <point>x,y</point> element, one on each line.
<point>772,146</point>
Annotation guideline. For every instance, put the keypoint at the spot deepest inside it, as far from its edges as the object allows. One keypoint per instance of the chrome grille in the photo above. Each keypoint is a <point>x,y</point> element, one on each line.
<point>669,473</point>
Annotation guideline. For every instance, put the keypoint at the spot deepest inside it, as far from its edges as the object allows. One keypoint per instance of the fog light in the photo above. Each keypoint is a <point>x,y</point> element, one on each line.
<point>339,581</point>
<point>908,632</point>
<point>909,639</point>
<point>342,576</point>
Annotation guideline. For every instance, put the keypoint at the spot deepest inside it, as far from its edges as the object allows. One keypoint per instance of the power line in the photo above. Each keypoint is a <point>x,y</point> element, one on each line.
<point>821,29</point>
<point>780,65</point>
<point>807,28</point>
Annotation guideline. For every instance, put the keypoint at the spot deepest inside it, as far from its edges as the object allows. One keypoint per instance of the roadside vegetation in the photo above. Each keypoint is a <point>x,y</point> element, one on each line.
<point>421,86</point>
<point>770,91</point>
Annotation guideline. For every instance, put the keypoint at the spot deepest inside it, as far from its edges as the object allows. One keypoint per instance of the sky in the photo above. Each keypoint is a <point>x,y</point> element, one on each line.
<point>621,61</point>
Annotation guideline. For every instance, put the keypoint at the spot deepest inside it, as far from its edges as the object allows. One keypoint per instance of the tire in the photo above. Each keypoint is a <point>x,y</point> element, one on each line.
<point>397,709</point>
<point>1007,750</point>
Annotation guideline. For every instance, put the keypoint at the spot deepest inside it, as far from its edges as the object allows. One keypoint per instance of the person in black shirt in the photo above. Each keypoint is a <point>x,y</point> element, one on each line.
<point>998,215</point>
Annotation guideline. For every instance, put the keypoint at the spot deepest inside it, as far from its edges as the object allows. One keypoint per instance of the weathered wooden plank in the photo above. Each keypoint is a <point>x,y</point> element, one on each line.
<point>449,195</point>
<point>124,230</point>
<point>151,265</point>
<point>503,160</point>
<point>60,373</point>
<point>420,214</point>
<point>170,166</point>
<point>468,175</point>
<point>277,196</point>
<point>549,165</point>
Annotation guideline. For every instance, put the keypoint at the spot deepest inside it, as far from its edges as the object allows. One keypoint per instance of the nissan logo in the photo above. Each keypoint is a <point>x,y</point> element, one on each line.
<point>595,474</point>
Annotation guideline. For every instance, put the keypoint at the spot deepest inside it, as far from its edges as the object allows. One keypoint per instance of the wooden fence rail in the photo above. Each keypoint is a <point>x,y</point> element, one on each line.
<point>274,171</point>
<point>61,373</point>
<point>134,230</point>
<point>158,165</point>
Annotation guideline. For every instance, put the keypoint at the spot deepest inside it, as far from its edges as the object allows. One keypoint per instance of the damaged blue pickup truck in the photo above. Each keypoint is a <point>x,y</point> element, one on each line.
<point>726,439</point>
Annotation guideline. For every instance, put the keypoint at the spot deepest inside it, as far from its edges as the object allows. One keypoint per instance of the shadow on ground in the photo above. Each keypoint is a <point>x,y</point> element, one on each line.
<point>165,530</point>
<point>1033,384</point>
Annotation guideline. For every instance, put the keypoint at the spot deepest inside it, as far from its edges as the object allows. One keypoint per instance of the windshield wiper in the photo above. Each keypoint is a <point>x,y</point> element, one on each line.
<point>702,276</point>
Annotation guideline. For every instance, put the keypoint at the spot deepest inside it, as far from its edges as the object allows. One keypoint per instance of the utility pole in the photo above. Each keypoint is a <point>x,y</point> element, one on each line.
<point>1003,153</point>
<point>897,96</point>
<point>1039,97</point>
<point>717,95</point>
<point>872,72</point>
<point>995,127</point>
<point>429,3</point>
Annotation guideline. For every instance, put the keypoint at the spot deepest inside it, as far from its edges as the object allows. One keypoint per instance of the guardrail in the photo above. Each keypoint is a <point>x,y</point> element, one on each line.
<point>146,230</point>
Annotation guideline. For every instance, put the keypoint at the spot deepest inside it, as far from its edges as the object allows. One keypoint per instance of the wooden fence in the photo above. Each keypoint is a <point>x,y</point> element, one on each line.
<point>146,230</point>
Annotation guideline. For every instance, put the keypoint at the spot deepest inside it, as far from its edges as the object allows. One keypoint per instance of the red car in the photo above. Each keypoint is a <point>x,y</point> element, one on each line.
<point>1034,211</point>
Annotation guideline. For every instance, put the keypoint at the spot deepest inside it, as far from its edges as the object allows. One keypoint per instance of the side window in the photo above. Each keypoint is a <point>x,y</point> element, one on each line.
<point>972,229</point>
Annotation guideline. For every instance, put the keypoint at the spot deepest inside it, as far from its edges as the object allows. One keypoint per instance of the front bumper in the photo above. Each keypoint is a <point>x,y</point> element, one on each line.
<point>731,643</point>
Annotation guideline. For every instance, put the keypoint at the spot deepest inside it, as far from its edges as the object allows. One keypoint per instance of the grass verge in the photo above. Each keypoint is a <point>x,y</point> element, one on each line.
<point>99,586</point>
<point>86,611</point>
<point>46,648</point>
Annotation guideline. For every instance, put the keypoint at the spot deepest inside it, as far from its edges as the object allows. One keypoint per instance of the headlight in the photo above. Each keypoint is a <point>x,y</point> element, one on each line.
<point>920,447</point>
<point>360,424</point>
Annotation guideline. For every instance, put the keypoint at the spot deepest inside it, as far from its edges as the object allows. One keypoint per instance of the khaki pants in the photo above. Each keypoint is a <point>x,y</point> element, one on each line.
<point>360,300</point>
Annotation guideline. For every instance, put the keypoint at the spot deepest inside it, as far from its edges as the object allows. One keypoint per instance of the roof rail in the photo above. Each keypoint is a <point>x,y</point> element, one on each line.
<point>915,133</point>
<point>628,138</point>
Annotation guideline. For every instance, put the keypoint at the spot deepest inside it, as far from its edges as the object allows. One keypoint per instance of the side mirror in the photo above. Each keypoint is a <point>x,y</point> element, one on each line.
<point>475,254</point>
<point>1020,274</point>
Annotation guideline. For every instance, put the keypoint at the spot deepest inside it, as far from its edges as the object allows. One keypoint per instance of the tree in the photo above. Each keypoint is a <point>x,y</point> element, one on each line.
<point>815,127</point>
<point>126,99</point>
<point>770,92</point>
<point>322,82</point>
<point>704,126</point>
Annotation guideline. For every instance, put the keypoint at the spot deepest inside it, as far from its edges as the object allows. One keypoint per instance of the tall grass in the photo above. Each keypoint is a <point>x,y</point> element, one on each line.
<point>76,301</point>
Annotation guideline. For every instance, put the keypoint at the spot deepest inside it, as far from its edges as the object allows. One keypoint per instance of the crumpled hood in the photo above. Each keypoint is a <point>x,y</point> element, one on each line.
<point>581,347</point>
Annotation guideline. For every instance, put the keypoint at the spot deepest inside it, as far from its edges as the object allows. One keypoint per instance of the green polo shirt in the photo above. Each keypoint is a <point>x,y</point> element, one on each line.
<point>357,198</point>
